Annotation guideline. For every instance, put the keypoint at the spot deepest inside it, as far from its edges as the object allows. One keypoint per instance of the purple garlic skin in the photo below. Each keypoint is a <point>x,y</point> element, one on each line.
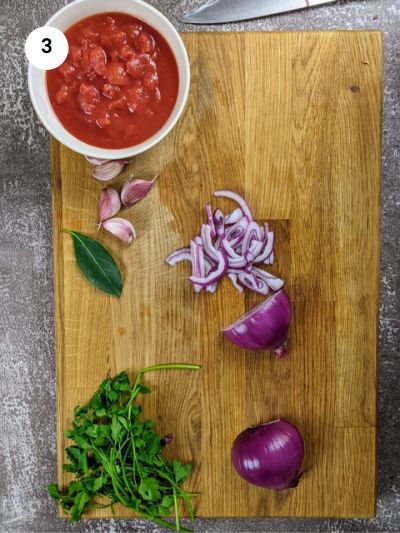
<point>135,190</point>
<point>108,170</point>
<point>121,228</point>
<point>109,204</point>
<point>95,161</point>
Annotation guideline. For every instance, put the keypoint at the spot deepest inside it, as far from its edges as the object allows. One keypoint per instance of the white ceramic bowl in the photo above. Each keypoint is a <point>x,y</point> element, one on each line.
<point>80,9</point>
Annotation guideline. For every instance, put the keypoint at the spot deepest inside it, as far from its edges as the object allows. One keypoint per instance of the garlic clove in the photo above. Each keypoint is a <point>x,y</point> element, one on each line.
<point>109,204</point>
<point>121,228</point>
<point>96,161</point>
<point>135,190</point>
<point>108,171</point>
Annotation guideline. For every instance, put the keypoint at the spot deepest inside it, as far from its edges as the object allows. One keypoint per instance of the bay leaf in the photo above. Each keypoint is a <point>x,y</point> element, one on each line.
<point>96,263</point>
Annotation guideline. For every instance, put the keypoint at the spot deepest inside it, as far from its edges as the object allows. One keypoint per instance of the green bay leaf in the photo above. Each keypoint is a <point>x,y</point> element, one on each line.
<point>96,264</point>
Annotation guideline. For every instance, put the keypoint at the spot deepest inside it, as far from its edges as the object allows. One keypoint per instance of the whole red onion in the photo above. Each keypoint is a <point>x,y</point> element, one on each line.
<point>269,455</point>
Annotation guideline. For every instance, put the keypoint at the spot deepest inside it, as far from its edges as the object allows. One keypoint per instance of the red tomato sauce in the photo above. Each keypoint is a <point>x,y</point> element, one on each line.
<point>119,83</point>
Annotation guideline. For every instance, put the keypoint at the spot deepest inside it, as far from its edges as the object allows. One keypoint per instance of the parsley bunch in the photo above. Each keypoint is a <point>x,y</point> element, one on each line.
<point>119,456</point>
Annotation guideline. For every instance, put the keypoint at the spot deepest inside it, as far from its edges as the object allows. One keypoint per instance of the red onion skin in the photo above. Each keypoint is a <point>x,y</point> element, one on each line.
<point>269,455</point>
<point>265,327</point>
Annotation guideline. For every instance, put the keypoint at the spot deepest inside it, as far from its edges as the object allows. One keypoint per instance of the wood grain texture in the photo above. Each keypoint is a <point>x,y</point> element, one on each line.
<point>291,120</point>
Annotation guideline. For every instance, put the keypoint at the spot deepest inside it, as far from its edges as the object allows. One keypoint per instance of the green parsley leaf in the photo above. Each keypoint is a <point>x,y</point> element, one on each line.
<point>149,488</point>
<point>118,456</point>
<point>53,491</point>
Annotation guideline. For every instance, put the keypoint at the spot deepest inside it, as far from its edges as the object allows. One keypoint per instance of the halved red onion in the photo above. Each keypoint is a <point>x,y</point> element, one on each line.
<point>265,327</point>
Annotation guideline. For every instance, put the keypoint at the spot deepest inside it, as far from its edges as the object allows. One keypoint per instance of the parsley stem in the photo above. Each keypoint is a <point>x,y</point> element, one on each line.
<point>177,522</point>
<point>164,523</point>
<point>127,484</point>
<point>165,366</point>
<point>119,456</point>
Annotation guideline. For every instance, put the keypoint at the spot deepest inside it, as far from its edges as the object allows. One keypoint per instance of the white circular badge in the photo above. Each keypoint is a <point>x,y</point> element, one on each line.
<point>46,48</point>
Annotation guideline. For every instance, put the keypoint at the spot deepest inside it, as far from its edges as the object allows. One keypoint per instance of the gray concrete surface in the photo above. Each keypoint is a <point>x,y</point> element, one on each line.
<point>27,390</point>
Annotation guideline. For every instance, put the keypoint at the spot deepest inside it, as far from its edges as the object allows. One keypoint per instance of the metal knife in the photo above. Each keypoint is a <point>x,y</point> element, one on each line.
<point>218,11</point>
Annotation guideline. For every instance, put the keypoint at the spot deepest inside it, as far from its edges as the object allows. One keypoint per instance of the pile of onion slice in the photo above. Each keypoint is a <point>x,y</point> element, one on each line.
<point>230,245</point>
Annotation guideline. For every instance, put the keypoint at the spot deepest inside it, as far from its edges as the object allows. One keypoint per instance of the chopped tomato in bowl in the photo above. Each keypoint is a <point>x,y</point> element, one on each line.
<point>119,83</point>
<point>123,85</point>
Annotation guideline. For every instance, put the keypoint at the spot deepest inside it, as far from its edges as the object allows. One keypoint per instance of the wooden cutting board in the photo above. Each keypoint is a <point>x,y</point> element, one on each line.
<point>293,122</point>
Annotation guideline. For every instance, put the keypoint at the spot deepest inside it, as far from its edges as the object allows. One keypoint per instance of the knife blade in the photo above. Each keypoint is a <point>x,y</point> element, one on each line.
<point>219,11</point>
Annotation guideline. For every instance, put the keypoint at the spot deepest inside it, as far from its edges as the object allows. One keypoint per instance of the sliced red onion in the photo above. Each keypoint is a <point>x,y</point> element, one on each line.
<point>207,242</point>
<point>195,250</point>
<point>234,279</point>
<point>249,265</point>
<point>267,249</point>
<point>233,217</point>
<point>248,256</point>
<point>252,233</point>
<point>210,218</point>
<point>231,245</point>
<point>273,282</point>
<point>212,277</point>
<point>217,243</point>
<point>212,288</point>
<point>219,221</point>
<point>271,258</point>
<point>236,233</point>
<point>241,262</point>
<point>256,247</point>
<point>237,198</point>
<point>182,254</point>
<point>254,283</point>
<point>229,250</point>
<point>236,242</point>
<point>234,270</point>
